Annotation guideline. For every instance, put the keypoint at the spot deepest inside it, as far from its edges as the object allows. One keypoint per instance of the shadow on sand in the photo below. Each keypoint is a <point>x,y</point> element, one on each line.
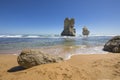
<point>16,68</point>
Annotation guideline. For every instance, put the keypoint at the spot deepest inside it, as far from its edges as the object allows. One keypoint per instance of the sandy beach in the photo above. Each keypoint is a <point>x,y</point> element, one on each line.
<point>59,40</point>
<point>79,67</point>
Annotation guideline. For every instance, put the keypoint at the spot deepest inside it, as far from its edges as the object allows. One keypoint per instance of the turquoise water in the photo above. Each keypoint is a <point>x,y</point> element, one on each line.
<point>53,44</point>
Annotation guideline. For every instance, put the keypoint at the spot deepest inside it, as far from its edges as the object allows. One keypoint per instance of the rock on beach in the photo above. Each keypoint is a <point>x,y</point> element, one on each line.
<point>30,58</point>
<point>113,45</point>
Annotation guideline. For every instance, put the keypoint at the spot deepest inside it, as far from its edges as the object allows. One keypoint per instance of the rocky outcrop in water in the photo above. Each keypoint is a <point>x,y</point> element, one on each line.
<point>113,45</point>
<point>29,58</point>
<point>69,29</point>
<point>85,31</point>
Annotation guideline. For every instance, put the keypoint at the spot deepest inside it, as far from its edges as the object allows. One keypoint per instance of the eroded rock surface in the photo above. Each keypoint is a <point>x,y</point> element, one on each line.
<point>85,32</point>
<point>69,29</point>
<point>113,45</point>
<point>29,58</point>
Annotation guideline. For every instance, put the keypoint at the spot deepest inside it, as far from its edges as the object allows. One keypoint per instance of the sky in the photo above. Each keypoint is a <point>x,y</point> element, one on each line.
<point>47,16</point>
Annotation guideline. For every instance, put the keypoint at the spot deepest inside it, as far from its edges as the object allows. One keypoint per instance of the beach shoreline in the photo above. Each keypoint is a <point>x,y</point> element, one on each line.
<point>78,67</point>
<point>65,52</point>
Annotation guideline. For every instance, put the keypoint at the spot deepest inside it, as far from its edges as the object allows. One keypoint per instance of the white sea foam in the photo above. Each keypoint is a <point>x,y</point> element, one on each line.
<point>102,35</point>
<point>10,36</point>
<point>86,51</point>
<point>91,50</point>
<point>14,36</point>
<point>45,36</point>
<point>15,54</point>
<point>30,36</point>
<point>2,36</point>
<point>68,56</point>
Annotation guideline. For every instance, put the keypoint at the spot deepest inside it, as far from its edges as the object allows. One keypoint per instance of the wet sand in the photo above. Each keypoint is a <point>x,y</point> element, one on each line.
<point>79,67</point>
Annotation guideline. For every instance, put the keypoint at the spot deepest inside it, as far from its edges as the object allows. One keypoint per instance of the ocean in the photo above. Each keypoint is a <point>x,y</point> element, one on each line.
<point>53,44</point>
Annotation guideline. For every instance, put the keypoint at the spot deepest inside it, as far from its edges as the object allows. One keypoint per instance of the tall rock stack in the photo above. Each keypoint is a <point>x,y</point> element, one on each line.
<point>85,31</point>
<point>69,29</point>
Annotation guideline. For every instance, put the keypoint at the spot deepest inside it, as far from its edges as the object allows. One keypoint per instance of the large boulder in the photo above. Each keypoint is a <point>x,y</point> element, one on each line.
<point>113,45</point>
<point>29,58</point>
<point>69,29</point>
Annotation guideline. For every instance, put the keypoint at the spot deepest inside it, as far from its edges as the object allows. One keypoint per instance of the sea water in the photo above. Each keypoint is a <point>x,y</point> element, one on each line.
<point>53,44</point>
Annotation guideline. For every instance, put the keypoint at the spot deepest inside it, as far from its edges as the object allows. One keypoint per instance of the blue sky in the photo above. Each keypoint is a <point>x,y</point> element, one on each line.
<point>47,16</point>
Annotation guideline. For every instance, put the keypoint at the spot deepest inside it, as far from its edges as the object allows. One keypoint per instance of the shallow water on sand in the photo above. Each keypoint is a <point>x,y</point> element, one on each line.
<point>63,46</point>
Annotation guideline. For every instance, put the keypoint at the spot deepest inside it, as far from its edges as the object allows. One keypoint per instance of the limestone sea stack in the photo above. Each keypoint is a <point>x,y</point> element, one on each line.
<point>85,31</point>
<point>113,45</point>
<point>29,58</point>
<point>69,29</point>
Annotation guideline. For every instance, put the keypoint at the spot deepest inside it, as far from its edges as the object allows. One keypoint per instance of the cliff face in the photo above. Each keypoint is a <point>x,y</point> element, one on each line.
<point>69,29</point>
